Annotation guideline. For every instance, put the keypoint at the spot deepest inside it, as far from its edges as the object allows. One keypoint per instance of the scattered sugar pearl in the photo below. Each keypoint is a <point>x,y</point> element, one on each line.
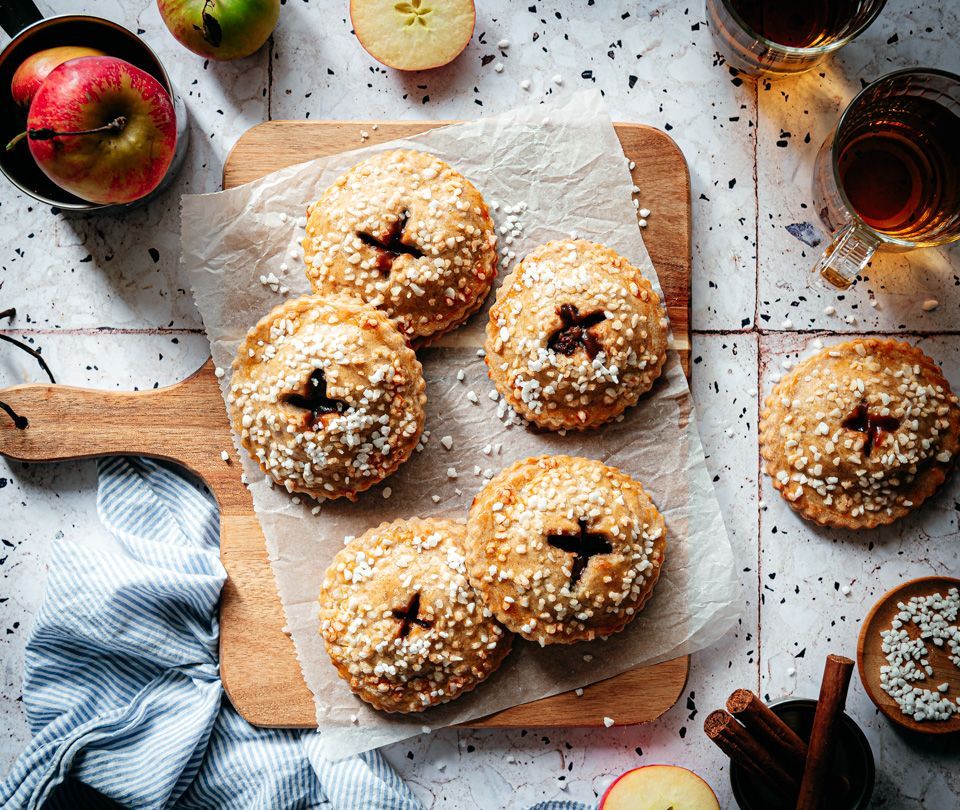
<point>578,692</point>
<point>451,472</point>
<point>829,310</point>
<point>608,721</point>
<point>364,134</point>
<point>631,165</point>
<point>503,44</point>
<point>588,658</point>
<point>525,84</point>
<point>425,729</point>
<point>315,510</point>
<point>874,303</point>
<point>642,223</point>
<point>498,67</point>
<point>446,441</point>
<point>557,78</point>
<point>473,397</point>
<point>354,719</point>
<point>644,212</point>
<point>219,372</point>
<point>850,319</point>
<point>818,344</point>
<point>461,375</point>
<point>787,323</point>
<point>729,432</point>
<point>435,498</point>
<point>224,455</point>
<point>845,590</point>
<point>930,304</point>
<point>791,672</point>
<point>295,500</point>
<point>753,393</point>
<point>387,492</point>
<point>375,127</point>
<point>787,363</point>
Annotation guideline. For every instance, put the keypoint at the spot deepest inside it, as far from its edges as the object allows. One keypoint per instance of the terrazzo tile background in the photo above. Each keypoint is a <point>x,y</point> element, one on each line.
<point>103,299</point>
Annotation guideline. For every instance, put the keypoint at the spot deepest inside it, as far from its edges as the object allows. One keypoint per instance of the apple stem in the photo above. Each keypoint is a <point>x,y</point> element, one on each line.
<point>47,133</point>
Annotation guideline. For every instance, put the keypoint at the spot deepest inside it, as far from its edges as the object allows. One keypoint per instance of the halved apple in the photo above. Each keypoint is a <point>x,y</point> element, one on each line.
<point>658,787</point>
<point>413,34</point>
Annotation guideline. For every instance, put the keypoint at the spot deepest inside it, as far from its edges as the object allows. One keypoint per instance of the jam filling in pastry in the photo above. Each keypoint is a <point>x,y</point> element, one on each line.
<point>576,336</point>
<point>408,234</point>
<point>326,396</point>
<point>860,433</point>
<point>400,620</point>
<point>564,549</point>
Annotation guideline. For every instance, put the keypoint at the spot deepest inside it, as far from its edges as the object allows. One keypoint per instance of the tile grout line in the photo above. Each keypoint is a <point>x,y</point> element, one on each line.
<point>270,78</point>
<point>760,333</point>
<point>756,328</point>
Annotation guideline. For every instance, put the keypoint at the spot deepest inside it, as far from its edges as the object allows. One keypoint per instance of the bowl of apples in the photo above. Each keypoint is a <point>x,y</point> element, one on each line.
<point>89,120</point>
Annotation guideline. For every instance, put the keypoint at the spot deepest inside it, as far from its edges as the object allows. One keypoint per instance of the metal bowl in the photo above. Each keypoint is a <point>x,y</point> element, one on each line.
<point>76,29</point>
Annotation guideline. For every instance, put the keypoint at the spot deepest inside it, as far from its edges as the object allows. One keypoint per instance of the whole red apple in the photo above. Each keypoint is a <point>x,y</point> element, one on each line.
<point>36,67</point>
<point>221,29</point>
<point>102,129</point>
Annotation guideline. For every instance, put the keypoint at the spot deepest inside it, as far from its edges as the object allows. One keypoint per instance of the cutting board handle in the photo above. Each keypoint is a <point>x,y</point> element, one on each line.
<point>185,423</point>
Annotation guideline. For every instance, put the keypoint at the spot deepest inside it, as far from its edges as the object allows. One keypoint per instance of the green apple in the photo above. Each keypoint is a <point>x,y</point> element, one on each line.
<point>221,29</point>
<point>413,34</point>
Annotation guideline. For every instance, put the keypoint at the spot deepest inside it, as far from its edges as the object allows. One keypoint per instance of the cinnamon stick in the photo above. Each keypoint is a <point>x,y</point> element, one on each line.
<point>830,705</point>
<point>738,744</point>
<point>768,729</point>
<point>772,732</point>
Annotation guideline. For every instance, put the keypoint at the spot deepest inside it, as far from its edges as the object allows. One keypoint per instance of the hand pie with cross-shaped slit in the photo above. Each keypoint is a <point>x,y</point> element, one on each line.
<point>576,336</point>
<point>400,620</point>
<point>860,433</point>
<point>326,396</point>
<point>410,235</point>
<point>564,549</point>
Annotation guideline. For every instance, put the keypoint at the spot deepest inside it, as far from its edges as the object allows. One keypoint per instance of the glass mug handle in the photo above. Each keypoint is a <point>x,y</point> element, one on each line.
<point>846,255</point>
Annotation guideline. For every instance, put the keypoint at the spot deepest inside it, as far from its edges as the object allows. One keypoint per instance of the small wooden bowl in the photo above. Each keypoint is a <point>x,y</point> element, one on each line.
<point>870,657</point>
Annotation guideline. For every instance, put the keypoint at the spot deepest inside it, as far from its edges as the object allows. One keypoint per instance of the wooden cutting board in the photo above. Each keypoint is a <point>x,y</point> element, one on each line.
<point>187,423</point>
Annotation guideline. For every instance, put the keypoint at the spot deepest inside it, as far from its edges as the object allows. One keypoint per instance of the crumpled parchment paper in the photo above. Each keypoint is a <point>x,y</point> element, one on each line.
<point>566,166</point>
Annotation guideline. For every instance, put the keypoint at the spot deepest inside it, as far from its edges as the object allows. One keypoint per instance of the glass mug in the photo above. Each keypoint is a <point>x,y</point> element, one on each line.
<point>888,176</point>
<point>782,37</point>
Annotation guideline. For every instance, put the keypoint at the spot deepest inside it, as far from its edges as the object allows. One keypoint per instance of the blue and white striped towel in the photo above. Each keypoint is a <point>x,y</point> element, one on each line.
<point>121,683</point>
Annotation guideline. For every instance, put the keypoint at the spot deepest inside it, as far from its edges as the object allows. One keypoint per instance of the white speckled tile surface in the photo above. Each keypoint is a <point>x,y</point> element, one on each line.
<point>103,300</point>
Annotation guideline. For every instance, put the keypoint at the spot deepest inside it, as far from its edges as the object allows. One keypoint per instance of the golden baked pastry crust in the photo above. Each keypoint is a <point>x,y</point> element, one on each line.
<point>576,336</point>
<point>401,622</point>
<point>348,360</point>
<point>861,433</point>
<point>525,529</point>
<point>407,233</point>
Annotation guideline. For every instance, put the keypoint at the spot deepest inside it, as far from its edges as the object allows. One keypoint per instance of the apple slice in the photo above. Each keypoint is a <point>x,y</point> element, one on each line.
<point>413,34</point>
<point>659,787</point>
